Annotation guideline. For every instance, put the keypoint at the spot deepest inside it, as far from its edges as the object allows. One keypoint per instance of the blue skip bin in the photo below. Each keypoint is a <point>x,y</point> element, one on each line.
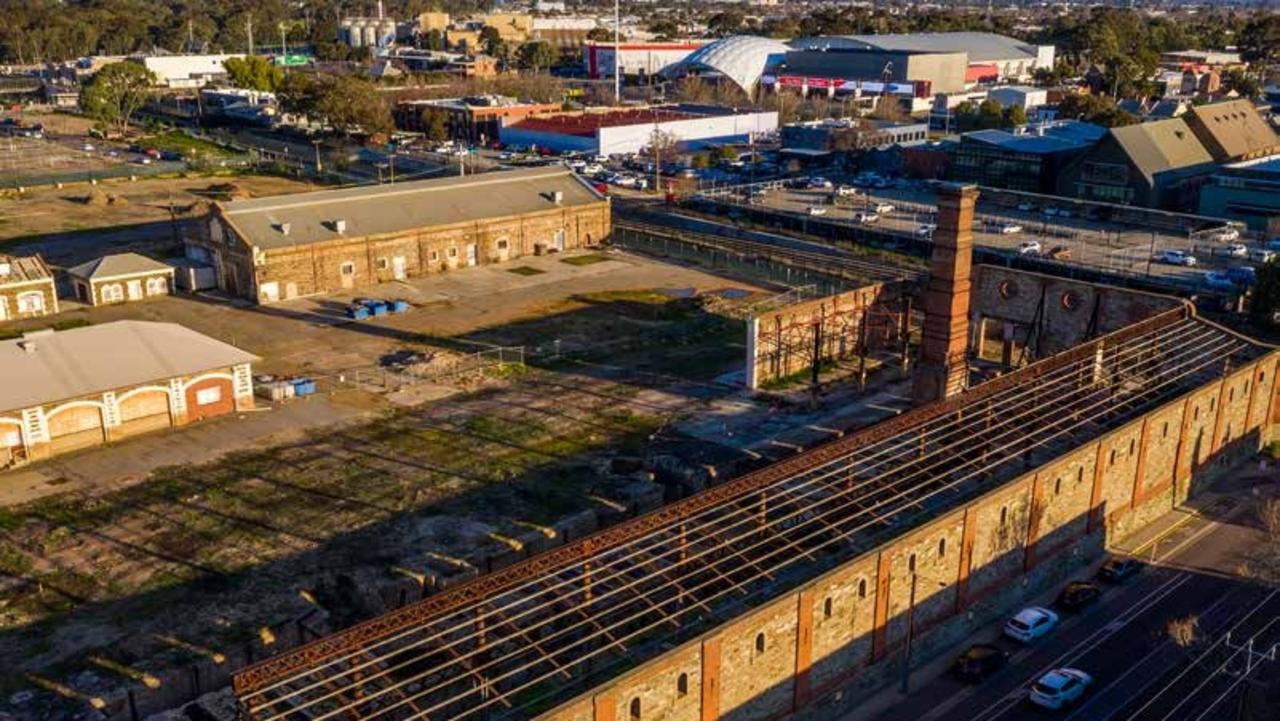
<point>377,307</point>
<point>357,312</point>
<point>303,387</point>
<point>399,305</point>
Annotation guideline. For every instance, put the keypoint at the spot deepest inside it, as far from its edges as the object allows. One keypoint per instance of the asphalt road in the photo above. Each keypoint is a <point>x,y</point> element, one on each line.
<point>1139,672</point>
<point>1106,246</point>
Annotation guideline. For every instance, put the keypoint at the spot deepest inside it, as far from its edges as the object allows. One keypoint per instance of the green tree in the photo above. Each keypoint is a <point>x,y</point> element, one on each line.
<point>434,40</point>
<point>116,92</point>
<point>1259,40</point>
<point>491,41</point>
<point>298,94</point>
<point>435,125</point>
<point>729,22</point>
<point>990,115</point>
<point>603,35</point>
<point>348,103</point>
<point>1264,303</point>
<point>1015,116</point>
<point>1244,84</point>
<point>254,72</point>
<point>665,29</point>
<point>537,55</point>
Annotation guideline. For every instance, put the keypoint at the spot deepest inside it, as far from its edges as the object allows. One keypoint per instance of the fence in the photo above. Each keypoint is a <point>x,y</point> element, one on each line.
<point>432,369</point>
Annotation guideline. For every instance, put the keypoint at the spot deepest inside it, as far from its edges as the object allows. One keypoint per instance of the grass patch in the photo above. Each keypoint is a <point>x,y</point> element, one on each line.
<point>588,259</point>
<point>525,270</point>
<point>187,146</point>
<point>69,324</point>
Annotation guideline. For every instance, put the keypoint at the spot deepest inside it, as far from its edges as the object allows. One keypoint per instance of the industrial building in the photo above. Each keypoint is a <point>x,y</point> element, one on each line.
<point>472,119</point>
<point>825,137</point>
<point>1030,160</point>
<point>988,57</point>
<point>1232,131</point>
<point>630,130</point>
<point>635,60</point>
<point>283,247</point>
<point>1248,192</point>
<point>120,278</point>
<point>1159,164</point>
<point>186,71</point>
<point>26,287</point>
<point>740,59</point>
<point>78,388</point>
<point>803,582</point>
<point>841,68</point>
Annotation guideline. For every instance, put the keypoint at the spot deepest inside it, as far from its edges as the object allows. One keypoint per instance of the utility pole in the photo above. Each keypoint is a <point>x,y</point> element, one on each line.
<point>319,167</point>
<point>248,29</point>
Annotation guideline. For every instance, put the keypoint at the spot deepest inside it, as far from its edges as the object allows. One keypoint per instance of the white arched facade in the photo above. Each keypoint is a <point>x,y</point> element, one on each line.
<point>740,58</point>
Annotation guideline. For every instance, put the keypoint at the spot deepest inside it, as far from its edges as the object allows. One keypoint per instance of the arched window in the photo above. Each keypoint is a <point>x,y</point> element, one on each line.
<point>759,643</point>
<point>347,269</point>
<point>635,709</point>
<point>159,285</point>
<point>32,302</point>
<point>911,563</point>
<point>682,685</point>
<point>502,244</point>
<point>942,547</point>
<point>1004,515</point>
<point>1057,484</point>
<point>862,588</point>
<point>111,293</point>
<point>826,608</point>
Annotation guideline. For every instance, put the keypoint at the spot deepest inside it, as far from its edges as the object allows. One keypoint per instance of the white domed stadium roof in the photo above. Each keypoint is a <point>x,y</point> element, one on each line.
<point>741,58</point>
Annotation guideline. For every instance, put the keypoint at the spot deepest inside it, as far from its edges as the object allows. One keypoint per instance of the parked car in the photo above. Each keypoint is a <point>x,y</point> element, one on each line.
<point>1030,247</point>
<point>1030,624</point>
<point>817,210</point>
<point>1177,257</point>
<point>1242,275</point>
<point>1077,595</point>
<point>1008,229</point>
<point>1117,570</point>
<point>1060,688</point>
<point>925,230</point>
<point>865,217</point>
<point>1225,235</point>
<point>1218,281</point>
<point>1027,207</point>
<point>1059,252</point>
<point>1262,255</point>
<point>1234,250</point>
<point>819,183</point>
<point>847,191</point>
<point>883,208</point>
<point>979,661</point>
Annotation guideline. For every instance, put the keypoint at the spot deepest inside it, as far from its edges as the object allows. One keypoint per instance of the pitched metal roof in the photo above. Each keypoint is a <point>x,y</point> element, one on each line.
<point>1068,135</point>
<point>48,366</point>
<point>1233,130</point>
<point>377,209</point>
<point>1162,146</point>
<point>114,266</point>
<point>23,269</point>
<point>981,47</point>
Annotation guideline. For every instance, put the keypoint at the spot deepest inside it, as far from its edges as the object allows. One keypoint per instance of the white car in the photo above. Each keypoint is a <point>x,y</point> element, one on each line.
<point>864,218</point>
<point>1262,255</point>
<point>1030,247</point>
<point>1030,624</point>
<point>1226,235</point>
<point>87,147</point>
<point>817,210</point>
<point>1060,688</point>
<point>1009,229</point>
<point>1177,257</point>
<point>847,191</point>
<point>592,169</point>
<point>817,183</point>
<point>925,230</point>
<point>1234,250</point>
<point>883,209</point>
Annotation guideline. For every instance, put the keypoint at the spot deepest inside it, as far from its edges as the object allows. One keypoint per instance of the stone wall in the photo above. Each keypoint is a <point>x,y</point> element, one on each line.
<point>845,630</point>
<point>9,299</point>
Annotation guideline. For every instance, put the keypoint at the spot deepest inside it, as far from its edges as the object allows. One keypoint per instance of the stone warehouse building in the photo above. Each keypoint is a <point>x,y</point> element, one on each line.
<point>805,580</point>
<point>121,278</point>
<point>84,387</point>
<point>272,249</point>
<point>26,288</point>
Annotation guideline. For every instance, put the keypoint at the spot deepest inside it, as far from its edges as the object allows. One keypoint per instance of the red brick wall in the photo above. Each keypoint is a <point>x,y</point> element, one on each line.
<point>224,405</point>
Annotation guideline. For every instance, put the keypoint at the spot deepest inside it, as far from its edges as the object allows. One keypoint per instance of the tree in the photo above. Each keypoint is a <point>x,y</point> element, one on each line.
<point>1015,116</point>
<point>729,22</point>
<point>435,124</point>
<point>434,40</point>
<point>254,72</point>
<point>1260,40</point>
<point>603,35</point>
<point>116,92</point>
<point>1246,86</point>
<point>665,29</point>
<point>537,55</point>
<point>348,103</point>
<point>491,41</point>
<point>990,115</point>
<point>1264,306</point>
<point>298,94</point>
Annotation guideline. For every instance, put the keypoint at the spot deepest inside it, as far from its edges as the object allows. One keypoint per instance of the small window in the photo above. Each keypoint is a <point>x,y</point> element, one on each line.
<point>1057,485</point>
<point>435,255</point>
<point>1246,385</point>
<point>383,264</point>
<point>1132,446</point>
<point>31,302</point>
<point>911,563</point>
<point>1004,515</point>
<point>1080,474</point>
<point>502,244</point>
<point>1212,402</point>
<point>1195,413</point>
<point>826,608</point>
<point>1231,395</point>
<point>453,252</point>
<point>1262,376</point>
<point>635,709</point>
<point>862,588</point>
<point>942,547</point>
<point>1164,432</point>
<point>208,396</point>
<point>1113,457</point>
<point>682,685</point>
<point>759,643</point>
<point>348,268</point>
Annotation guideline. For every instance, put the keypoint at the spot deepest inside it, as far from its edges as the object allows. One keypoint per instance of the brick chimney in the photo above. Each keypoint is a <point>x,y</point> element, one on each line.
<point>942,371</point>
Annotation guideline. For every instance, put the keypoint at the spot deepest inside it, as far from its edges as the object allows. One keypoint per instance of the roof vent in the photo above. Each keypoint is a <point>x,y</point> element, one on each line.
<point>339,226</point>
<point>28,345</point>
<point>558,197</point>
<point>285,228</point>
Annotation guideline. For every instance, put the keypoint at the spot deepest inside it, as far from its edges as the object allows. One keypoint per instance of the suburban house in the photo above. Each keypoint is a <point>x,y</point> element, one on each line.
<point>26,288</point>
<point>87,386</point>
<point>121,278</point>
<point>1233,131</point>
<point>282,247</point>
<point>1160,164</point>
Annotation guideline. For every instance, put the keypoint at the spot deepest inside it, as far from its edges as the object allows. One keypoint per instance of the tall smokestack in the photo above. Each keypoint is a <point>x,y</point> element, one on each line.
<point>943,370</point>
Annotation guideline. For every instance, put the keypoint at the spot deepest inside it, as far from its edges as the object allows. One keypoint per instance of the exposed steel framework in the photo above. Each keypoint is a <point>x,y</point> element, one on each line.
<point>511,643</point>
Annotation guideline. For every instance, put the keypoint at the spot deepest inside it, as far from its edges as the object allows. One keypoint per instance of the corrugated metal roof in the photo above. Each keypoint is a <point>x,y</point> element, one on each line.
<point>1233,130</point>
<point>1070,135</point>
<point>378,209</point>
<point>1162,146</point>
<point>111,266</point>
<point>981,47</point>
<point>86,361</point>
<point>24,269</point>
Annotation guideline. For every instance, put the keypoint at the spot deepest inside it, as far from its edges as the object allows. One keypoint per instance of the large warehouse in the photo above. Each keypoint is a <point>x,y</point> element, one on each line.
<point>283,247</point>
<point>73,389</point>
<point>631,129</point>
<point>635,59</point>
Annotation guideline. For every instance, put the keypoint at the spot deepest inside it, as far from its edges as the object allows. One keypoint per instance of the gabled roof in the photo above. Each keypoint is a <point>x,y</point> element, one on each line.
<point>1162,146</point>
<point>120,264</point>
<point>23,269</point>
<point>1233,130</point>
<point>392,208</point>
<point>48,366</point>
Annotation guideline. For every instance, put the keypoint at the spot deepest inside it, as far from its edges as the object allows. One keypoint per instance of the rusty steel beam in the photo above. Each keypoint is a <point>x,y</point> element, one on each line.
<point>476,590</point>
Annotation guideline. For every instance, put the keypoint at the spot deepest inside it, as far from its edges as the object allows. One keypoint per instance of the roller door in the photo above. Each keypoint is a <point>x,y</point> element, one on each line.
<point>148,411</point>
<point>75,428</point>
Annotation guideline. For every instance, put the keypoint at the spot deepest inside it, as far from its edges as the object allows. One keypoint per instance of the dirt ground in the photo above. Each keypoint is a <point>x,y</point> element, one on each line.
<point>209,554</point>
<point>45,215</point>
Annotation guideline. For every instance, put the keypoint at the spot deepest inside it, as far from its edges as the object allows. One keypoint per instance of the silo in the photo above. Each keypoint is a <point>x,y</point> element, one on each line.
<point>355,33</point>
<point>371,33</point>
<point>386,32</point>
